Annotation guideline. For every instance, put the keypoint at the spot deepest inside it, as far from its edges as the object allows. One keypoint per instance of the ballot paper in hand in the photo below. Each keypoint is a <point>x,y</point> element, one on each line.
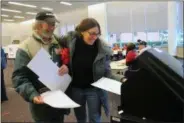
<point>108,85</point>
<point>58,99</point>
<point>61,83</point>
<point>47,71</point>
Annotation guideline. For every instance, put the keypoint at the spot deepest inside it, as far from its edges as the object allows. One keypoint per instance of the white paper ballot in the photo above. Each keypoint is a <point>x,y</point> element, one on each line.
<point>47,71</point>
<point>56,83</point>
<point>108,85</point>
<point>58,99</point>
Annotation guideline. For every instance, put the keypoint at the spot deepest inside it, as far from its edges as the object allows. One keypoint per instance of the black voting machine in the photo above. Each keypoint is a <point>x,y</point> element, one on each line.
<point>154,92</point>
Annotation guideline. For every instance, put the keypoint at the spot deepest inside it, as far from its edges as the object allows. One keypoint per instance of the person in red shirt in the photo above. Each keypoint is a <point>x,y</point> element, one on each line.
<point>131,61</point>
<point>131,53</point>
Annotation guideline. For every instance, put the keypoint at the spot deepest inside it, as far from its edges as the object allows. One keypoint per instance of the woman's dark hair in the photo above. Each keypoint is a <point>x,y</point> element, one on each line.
<point>130,46</point>
<point>87,24</point>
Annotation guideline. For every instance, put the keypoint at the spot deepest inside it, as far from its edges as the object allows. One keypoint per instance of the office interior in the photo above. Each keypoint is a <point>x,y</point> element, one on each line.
<point>159,23</point>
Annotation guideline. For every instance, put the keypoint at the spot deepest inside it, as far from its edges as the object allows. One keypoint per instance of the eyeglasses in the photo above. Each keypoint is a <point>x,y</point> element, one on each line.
<point>94,34</point>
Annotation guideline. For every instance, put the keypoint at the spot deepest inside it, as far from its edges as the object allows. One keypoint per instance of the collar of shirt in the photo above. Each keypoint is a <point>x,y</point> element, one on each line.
<point>43,40</point>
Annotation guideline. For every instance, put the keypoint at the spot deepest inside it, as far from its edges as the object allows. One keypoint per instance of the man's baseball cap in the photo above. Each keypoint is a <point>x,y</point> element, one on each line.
<point>46,16</point>
<point>142,43</point>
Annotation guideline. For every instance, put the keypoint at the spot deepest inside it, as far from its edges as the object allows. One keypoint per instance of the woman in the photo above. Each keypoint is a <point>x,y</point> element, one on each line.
<point>131,54</point>
<point>89,61</point>
<point>131,60</point>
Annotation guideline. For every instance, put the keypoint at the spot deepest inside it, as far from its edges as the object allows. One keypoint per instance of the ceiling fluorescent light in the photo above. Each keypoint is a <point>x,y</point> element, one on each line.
<point>18,17</point>
<point>66,3</point>
<point>28,21</point>
<point>11,10</point>
<point>8,20</point>
<point>46,8</point>
<point>31,13</point>
<point>5,15</point>
<point>21,4</point>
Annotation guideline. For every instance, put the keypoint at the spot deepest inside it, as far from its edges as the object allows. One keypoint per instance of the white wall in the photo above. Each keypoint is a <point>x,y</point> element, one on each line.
<point>139,16</point>
<point>16,31</point>
<point>96,11</point>
<point>71,19</point>
<point>136,16</point>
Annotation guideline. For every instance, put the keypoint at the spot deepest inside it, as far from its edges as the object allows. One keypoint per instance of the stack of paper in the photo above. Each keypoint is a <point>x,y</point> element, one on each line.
<point>47,71</point>
<point>108,85</point>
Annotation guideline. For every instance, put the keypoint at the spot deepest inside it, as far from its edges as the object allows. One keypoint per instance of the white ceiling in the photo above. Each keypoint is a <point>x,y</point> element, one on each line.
<point>57,7</point>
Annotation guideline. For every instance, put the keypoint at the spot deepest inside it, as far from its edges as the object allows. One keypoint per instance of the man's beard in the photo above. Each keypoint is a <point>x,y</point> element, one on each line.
<point>45,34</point>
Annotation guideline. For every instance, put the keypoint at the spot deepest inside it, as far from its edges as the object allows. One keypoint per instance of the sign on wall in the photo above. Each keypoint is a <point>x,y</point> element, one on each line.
<point>140,35</point>
<point>112,39</point>
<point>153,36</point>
<point>126,37</point>
<point>11,50</point>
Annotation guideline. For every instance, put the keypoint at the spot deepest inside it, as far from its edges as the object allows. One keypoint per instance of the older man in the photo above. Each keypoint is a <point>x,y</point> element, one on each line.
<point>143,46</point>
<point>25,81</point>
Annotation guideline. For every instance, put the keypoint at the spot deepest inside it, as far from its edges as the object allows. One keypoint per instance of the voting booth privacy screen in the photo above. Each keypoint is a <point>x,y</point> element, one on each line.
<point>155,91</point>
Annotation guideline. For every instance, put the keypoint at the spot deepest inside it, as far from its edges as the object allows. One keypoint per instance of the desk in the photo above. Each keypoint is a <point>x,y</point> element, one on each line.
<point>118,65</point>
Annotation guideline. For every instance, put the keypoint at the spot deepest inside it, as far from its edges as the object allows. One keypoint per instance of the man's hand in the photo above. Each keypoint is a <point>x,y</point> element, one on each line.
<point>57,51</point>
<point>63,70</point>
<point>38,100</point>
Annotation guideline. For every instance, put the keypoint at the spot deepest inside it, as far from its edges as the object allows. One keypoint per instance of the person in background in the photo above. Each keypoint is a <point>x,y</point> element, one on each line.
<point>131,61</point>
<point>131,54</point>
<point>3,66</point>
<point>26,82</point>
<point>124,50</point>
<point>117,53</point>
<point>137,44</point>
<point>116,47</point>
<point>143,46</point>
<point>124,47</point>
<point>89,61</point>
